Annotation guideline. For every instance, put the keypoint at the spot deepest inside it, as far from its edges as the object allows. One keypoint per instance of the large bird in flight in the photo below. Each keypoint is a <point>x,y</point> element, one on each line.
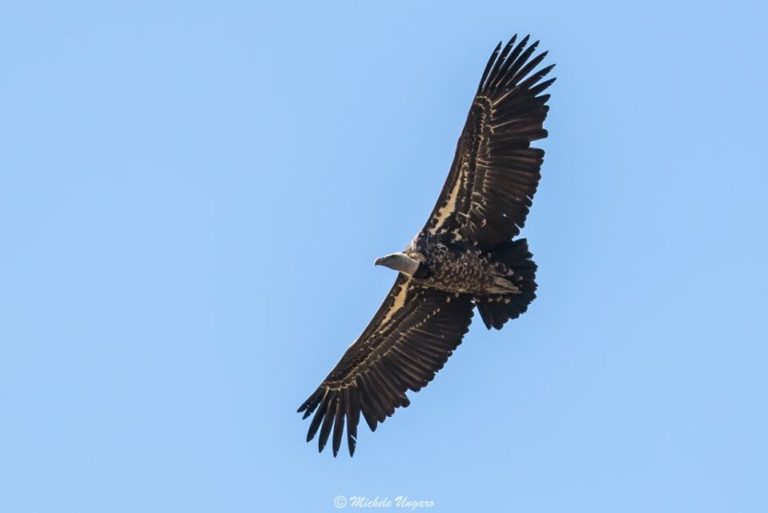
<point>464,257</point>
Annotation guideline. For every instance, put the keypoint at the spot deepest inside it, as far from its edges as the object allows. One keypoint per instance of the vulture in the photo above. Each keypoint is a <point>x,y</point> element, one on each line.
<point>465,257</point>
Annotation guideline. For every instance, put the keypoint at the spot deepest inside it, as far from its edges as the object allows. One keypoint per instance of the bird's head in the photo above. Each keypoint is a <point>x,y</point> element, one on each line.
<point>399,262</point>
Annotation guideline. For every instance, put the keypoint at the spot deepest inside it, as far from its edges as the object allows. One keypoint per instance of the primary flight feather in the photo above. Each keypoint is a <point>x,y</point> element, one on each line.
<point>464,257</point>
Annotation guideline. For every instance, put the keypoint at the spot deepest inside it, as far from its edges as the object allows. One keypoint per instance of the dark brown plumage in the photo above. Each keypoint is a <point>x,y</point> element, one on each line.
<point>464,257</point>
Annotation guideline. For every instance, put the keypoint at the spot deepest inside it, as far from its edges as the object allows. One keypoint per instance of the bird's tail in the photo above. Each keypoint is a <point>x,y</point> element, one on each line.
<point>497,309</point>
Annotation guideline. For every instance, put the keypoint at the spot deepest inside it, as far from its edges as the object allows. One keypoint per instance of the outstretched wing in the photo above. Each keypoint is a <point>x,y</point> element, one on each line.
<point>495,172</point>
<point>409,339</point>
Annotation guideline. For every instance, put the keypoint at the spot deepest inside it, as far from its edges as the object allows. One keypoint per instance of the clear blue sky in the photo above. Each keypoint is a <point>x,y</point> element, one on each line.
<point>192,197</point>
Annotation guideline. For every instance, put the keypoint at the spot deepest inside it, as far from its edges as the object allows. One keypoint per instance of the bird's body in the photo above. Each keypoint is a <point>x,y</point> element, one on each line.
<point>465,257</point>
<point>460,268</point>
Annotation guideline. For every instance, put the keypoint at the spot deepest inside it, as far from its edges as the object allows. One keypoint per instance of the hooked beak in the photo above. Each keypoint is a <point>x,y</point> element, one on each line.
<point>399,262</point>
